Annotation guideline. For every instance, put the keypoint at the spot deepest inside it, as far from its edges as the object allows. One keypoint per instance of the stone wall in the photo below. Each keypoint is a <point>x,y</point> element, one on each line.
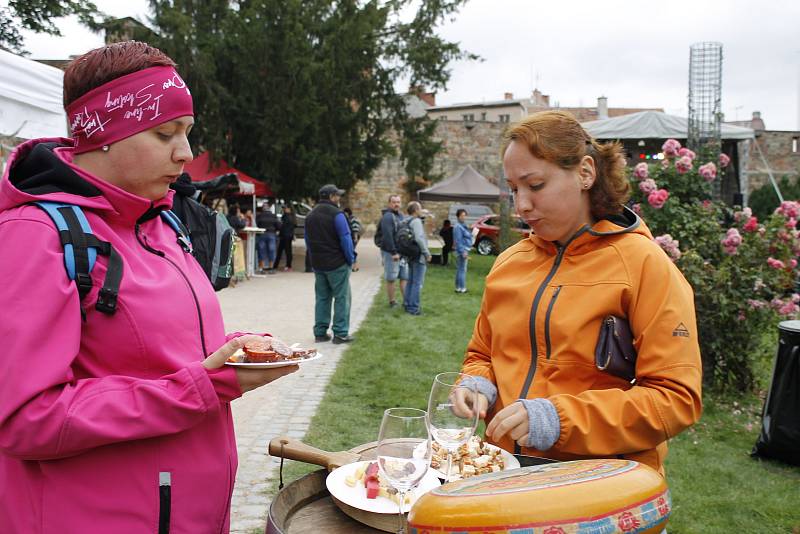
<point>777,147</point>
<point>478,146</point>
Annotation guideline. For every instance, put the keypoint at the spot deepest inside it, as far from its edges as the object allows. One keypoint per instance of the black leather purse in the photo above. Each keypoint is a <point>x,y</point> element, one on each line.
<point>615,353</point>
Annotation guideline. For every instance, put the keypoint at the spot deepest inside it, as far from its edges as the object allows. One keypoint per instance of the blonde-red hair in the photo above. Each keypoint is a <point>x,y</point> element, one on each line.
<point>556,136</point>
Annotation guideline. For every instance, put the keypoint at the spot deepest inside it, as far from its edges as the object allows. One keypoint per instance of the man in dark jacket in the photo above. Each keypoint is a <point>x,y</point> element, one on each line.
<point>330,246</point>
<point>266,243</point>
<point>394,266</point>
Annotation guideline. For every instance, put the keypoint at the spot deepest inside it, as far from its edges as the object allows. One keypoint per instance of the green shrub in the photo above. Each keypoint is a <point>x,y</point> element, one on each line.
<point>764,201</point>
<point>742,269</point>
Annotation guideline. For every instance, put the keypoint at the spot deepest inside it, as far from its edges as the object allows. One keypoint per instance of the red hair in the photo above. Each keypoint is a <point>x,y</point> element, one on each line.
<point>101,65</point>
<point>556,136</point>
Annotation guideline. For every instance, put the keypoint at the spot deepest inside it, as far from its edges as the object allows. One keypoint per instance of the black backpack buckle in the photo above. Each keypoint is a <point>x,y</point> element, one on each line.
<point>106,301</point>
<point>84,283</point>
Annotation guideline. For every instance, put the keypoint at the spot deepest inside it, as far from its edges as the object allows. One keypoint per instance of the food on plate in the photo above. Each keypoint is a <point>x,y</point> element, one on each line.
<point>260,351</point>
<point>366,476</point>
<point>475,457</point>
<point>271,349</point>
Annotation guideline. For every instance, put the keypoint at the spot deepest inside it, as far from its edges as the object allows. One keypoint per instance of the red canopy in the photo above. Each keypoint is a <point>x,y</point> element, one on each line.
<point>200,170</point>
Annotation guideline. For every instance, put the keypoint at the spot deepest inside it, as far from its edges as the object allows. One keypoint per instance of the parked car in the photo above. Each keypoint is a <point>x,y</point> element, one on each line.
<point>486,231</point>
<point>301,209</point>
<point>474,212</point>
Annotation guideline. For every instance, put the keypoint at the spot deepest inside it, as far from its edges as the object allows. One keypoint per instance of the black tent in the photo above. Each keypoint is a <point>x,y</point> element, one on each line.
<point>466,186</point>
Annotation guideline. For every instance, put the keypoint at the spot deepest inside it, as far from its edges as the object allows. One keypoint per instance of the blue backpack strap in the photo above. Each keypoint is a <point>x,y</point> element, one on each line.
<point>79,257</point>
<point>81,248</point>
<point>180,230</point>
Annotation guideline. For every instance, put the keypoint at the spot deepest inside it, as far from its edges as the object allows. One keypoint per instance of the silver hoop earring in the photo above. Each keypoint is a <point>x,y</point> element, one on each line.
<point>105,148</point>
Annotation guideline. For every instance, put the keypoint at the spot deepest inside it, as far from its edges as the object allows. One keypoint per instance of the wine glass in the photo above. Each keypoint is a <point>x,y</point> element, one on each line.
<point>449,426</point>
<point>404,451</point>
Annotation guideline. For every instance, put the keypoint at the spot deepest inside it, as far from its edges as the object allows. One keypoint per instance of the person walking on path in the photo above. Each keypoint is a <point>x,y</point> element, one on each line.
<point>446,233</point>
<point>266,242</point>
<point>416,266</point>
<point>463,242</point>
<point>394,267</point>
<point>115,412</point>
<point>330,246</point>
<point>285,238</point>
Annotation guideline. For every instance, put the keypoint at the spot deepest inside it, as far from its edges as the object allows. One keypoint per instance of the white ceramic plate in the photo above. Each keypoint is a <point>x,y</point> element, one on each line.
<point>267,365</point>
<point>357,496</point>
<point>509,460</point>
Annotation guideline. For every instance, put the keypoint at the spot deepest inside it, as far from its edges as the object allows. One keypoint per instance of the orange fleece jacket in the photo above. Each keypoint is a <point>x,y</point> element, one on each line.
<point>538,326</point>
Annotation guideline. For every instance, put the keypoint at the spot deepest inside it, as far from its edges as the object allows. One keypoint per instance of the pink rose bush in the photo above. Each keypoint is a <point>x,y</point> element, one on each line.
<point>670,246</point>
<point>647,186</point>
<point>743,269</point>
<point>708,171</point>
<point>671,147</point>
<point>683,164</point>
<point>641,171</point>
<point>658,198</point>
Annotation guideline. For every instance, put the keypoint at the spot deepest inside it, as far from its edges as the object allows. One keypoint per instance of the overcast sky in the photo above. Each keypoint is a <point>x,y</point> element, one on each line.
<point>636,53</point>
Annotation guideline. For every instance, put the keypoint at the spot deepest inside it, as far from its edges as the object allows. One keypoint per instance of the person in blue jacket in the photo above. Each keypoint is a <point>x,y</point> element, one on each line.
<point>462,239</point>
<point>328,242</point>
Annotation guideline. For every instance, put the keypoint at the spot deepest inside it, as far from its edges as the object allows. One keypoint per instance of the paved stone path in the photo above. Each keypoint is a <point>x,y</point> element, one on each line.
<point>283,304</point>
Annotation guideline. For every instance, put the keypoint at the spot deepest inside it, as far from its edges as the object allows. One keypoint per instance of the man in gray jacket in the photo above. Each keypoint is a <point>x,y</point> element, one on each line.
<point>416,266</point>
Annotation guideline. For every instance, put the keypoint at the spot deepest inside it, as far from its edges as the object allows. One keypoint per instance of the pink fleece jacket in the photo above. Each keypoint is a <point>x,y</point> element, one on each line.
<point>94,413</point>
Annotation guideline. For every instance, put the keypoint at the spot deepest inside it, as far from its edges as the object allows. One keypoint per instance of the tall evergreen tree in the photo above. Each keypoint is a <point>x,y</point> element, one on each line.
<point>302,92</point>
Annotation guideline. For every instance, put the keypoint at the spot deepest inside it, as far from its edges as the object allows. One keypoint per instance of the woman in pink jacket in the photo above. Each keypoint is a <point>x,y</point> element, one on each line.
<point>115,417</point>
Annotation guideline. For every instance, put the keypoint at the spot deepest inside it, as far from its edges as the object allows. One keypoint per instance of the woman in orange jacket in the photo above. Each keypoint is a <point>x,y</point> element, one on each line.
<point>533,346</point>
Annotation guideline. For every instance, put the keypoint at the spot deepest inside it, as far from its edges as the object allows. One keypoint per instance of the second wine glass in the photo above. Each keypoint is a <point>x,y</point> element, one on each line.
<point>451,423</point>
<point>404,451</point>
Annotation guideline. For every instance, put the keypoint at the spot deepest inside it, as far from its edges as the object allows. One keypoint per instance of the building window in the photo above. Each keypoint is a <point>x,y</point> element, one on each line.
<point>468,117</point>
<point>794,144</point>
<point>504,117</point>
<point>443,117</point>
<point>483,116</point>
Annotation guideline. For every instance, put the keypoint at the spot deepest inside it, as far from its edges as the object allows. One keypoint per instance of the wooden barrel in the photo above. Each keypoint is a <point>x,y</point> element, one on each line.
<point>606,496</point>
<point>305,506</point>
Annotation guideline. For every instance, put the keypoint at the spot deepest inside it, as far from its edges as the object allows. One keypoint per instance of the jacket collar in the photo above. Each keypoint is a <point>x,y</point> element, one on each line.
<point>587,237</point>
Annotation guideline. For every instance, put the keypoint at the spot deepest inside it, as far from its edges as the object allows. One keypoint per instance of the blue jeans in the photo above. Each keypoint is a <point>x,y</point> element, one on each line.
<point>416,277</point>
<point>266,244</point>
<point>461,272</point>
<point>332,287</point>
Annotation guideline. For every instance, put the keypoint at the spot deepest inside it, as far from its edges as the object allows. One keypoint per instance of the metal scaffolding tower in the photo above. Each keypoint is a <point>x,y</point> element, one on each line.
<point>705,97</point>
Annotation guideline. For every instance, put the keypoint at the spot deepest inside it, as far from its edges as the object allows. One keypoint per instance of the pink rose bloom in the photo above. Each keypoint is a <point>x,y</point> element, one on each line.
<point>751,225</point>
<point>641,172</point>
<point>788,308</point>
<point>724,160</point>
<point>648,186</point>
<point>637,209</point>
<point>686,152</point>
<point>792,263</point>
<point>756,304</point>
<point>775,264</point>
<point>657,198</point>
<point>683,165</point>
<point>791,223</point>
<point>731,241</point>
<point>708,171</point>
<point>665,164</point>
<point>671,147</point>
<point>789,209</point>
<point>707,205</point>
<point>669,245</point>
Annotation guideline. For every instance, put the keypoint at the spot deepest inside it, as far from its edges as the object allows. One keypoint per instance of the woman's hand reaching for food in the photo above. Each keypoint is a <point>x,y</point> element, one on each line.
<point>248,378</point>
<point>462,403</point>
<point>511,420</point>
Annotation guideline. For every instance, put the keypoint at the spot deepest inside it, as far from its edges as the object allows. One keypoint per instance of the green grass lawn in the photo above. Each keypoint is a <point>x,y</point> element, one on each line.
<point>716,486</point>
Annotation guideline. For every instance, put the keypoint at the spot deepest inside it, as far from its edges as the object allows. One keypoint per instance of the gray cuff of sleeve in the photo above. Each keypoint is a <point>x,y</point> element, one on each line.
<point>486,388</point>
<point>544,426</point>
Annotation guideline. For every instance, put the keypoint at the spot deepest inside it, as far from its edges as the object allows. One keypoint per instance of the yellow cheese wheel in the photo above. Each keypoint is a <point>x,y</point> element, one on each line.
<point>586,496</point>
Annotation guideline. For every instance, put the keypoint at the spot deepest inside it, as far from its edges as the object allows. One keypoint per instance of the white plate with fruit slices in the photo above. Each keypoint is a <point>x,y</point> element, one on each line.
<point>354,492</point>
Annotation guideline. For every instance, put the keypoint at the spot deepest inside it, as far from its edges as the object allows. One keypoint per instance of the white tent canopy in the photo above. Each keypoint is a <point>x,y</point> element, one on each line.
<point>31,103</point>
<point>654,125</point>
